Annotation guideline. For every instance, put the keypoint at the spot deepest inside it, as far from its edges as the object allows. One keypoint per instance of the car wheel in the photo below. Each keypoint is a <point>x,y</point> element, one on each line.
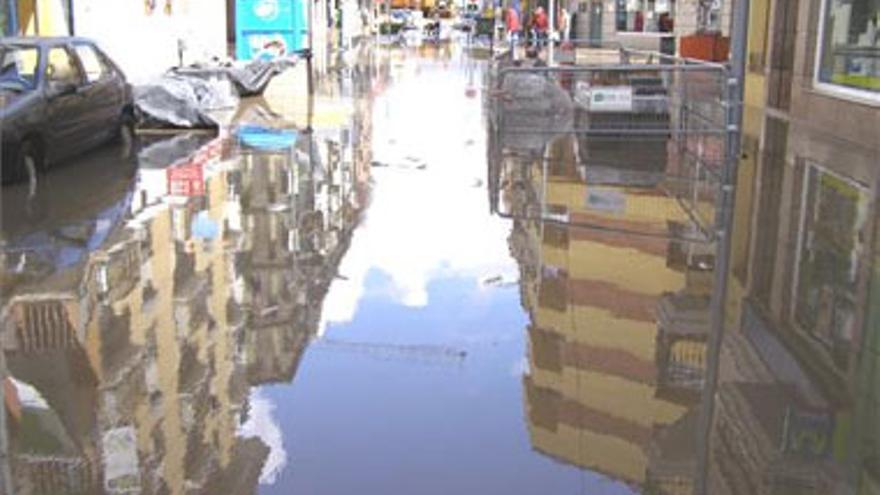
<point>127,138</point>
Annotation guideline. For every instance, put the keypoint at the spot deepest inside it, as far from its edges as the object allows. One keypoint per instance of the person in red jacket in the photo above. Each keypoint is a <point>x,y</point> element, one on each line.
<point>513,25</point>
<point>541,25</point>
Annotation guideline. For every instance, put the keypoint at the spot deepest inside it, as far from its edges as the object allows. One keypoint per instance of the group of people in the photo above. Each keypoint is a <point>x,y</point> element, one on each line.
<point>537,26</point>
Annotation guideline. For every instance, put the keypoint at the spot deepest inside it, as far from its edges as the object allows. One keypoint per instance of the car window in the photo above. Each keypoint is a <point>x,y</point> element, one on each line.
<point>18,66</point>
<point>92,64</point>
<point>60,67</point>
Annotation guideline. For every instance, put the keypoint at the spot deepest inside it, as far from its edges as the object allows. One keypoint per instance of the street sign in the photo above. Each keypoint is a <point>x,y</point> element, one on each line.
<point>611,99</point>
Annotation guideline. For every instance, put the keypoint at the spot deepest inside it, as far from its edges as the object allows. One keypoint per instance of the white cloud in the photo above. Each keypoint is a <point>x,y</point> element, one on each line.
<point>424,224</point>
<point>262,424</point>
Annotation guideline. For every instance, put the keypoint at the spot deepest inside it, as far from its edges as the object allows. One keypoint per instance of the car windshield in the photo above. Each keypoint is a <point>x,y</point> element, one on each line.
<point>18,67</point>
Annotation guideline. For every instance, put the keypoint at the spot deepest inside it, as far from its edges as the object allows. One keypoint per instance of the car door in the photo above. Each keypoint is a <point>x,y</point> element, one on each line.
<point>67,108</point>
<point>103,92</point>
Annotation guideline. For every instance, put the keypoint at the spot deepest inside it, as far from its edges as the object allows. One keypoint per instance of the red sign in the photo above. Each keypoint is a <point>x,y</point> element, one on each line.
<point>188,178</point>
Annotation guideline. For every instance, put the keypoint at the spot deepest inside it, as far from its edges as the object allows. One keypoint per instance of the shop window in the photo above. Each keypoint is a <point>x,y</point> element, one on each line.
<point>645,16</point>
<point>850,46</point>
<point>831,248</point>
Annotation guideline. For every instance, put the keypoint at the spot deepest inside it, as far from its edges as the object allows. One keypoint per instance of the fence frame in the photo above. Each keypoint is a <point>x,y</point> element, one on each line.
<point>731,93</point>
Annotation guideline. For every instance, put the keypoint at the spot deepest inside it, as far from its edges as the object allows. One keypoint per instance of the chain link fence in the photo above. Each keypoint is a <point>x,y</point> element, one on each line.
<point>639,143</point>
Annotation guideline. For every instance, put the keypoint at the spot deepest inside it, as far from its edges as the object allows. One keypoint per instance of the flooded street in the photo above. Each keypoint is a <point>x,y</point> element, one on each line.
<point>344,295</point>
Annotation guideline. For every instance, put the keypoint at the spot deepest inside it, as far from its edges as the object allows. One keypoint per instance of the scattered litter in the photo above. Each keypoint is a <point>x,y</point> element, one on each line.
<point>400,166</point>
<point>388,351</point>
<point>498,281</point>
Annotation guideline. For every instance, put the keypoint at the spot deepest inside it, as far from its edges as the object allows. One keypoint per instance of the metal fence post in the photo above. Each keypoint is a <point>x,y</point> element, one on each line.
<point>735,78</point>
<point>551,32</point>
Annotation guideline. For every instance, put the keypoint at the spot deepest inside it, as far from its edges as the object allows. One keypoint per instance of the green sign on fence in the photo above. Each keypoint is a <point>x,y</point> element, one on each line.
<point>485,26</point>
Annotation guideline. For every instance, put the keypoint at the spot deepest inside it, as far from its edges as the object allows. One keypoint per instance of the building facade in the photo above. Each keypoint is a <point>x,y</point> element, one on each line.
<point>804,273</point>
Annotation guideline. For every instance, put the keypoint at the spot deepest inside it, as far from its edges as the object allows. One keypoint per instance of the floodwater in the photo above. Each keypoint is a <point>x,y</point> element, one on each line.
<point>322,301</point>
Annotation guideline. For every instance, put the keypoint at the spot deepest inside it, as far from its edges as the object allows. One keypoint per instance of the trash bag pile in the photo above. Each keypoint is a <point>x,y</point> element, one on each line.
<point>174,101</point>
<point>247,80</point>
<point>186,98</point>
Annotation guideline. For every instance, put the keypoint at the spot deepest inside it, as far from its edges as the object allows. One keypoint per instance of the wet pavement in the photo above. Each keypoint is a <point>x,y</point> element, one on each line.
<point>321,301</point>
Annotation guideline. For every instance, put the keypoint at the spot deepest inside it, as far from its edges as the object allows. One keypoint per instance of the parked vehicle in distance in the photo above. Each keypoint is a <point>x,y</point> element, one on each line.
<point>59,97</point>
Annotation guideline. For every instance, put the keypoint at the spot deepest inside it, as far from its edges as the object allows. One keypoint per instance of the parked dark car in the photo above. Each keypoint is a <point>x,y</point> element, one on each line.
<point>59,97</point>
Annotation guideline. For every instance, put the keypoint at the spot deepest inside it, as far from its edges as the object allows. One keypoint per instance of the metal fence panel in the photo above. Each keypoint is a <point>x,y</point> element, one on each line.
<point>645,137</point>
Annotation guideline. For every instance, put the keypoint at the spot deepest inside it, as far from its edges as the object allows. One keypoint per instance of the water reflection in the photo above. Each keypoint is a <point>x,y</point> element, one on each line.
<point>141,307</point>
<point>619,295</point>
<point>618,323</point>
<point>154,318</point>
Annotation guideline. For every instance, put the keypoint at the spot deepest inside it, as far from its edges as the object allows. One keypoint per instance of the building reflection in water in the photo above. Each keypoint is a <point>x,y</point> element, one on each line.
<point>620,319</point>
<point>129,355</point>
<point>618,322</point>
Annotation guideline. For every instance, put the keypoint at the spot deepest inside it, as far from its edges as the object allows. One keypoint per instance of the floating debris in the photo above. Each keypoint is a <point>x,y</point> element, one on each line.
<point>498,281</point>
<point>408,352</point>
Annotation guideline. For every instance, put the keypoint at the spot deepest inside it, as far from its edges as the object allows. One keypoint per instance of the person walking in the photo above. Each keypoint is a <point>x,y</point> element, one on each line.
<point>541,26</point>
<point>513,28</point>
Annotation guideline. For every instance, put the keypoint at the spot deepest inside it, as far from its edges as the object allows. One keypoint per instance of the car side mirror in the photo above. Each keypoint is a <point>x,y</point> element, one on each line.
<point>61,88</point>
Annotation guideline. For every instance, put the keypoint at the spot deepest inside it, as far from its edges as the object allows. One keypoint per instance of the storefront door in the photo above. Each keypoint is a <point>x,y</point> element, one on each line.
<point>596,23</point>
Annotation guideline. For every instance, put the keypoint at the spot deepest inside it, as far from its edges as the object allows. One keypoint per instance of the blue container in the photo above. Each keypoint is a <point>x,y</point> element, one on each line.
<point>267,29</point>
